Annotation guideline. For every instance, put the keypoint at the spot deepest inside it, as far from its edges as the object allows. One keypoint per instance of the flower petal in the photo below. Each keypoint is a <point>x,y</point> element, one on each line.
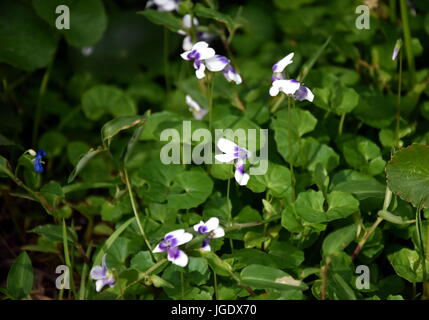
<point>198,225</point>
<point>289,86</point>
<point>199,73</point>
<point>185,54</point>
<point>178,257</point>
<point>99,284</point>
<point>226,146</point>
<point>274,91</point>
<point>192,103</point>
<point>183,238</point>
<point>188,22</point>
<point>187,44</point>
<point>212,224</point>
<point>175,234</point>
<point>225,157</point>
<point>206,246</point>
<point>98,273</point>
<point>158,249</point>
<point>216,63</point>
<point>304,93</point>
<point>283,63</point>
<point>240,175</point>
<point>218,233</point>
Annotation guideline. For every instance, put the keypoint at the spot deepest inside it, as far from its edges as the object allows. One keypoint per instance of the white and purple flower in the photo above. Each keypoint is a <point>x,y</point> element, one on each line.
<point>197,111</point>
<point>102,275</point>
<point>163,5</point>
<point>170,245</point>
<point>230,74</point>
<point>290,87</point>
<point>199,52</point>
<point>212,229</point>
<point>233,152</point>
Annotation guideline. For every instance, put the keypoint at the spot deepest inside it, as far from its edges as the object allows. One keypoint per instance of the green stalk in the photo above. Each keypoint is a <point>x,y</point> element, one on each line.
<point>407,41</point>
<point>82,290</point>
<point>398,104</point>
<point>292,173</point>
<point>215,284</point>
<point>210,98</point>
<point>134,206</point>
<point>422,248</point>
<point>341,124</point>
<point>67,257</point>
<point>38,115</point>
<point>386,203</point>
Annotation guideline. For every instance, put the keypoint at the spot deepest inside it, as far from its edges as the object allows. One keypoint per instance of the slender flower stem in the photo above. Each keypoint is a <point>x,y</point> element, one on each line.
<point>231,244</point>
<point>341,124</point>
<point>292,173</point>
<point>407,41</point>
<point>278,103</point>
<point>324,276</point>
<point>210,99</point>
<point>82,290</point>
<point>182,283</point>
<point>386,203</point>
<point>215,284</point>
<point>134,206</point>
<point>398,104</point>
<point>67,257</point>
<point>39,105</point>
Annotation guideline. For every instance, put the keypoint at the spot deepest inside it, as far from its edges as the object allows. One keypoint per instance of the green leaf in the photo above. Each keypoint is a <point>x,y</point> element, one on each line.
<point>111,212</point>
<point>88,19</point>
<point>338,240</point>
<point>289,129</point>
<point>210,13</point>
<point>341,288</point>
<point>162,18</point>
<point>363,154</point>
<point>20,277</point>
<point>4,167</point>
<point>408,174</point>
<point>103,99</point>
<point>26,41</point>
<point>113,127</point>
<point>83,161</point>
<point>262,277</point>
<point>310,206</point>
<point>407,264</point>
<point>276,180</point>
<point>194,187</point>
<point>54,233</point>
<point>220,266</point>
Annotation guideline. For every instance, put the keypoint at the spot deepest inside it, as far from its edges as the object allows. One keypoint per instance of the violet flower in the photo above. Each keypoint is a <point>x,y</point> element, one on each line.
<point>211,227</point>
<point>103,275</point>
<point>170,245</point>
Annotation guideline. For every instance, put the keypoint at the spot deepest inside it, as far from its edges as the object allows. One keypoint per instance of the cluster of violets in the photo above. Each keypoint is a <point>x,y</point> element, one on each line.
<point>169,244</point>
<point>204,57</point>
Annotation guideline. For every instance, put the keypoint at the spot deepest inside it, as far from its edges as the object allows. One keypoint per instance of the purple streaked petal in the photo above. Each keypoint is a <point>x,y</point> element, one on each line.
<point>283,63</point>
<point>98,272</point>
<point>303,93</point>
<point>206,245</point>
<point>216,63</point>
<point>178,257</point>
